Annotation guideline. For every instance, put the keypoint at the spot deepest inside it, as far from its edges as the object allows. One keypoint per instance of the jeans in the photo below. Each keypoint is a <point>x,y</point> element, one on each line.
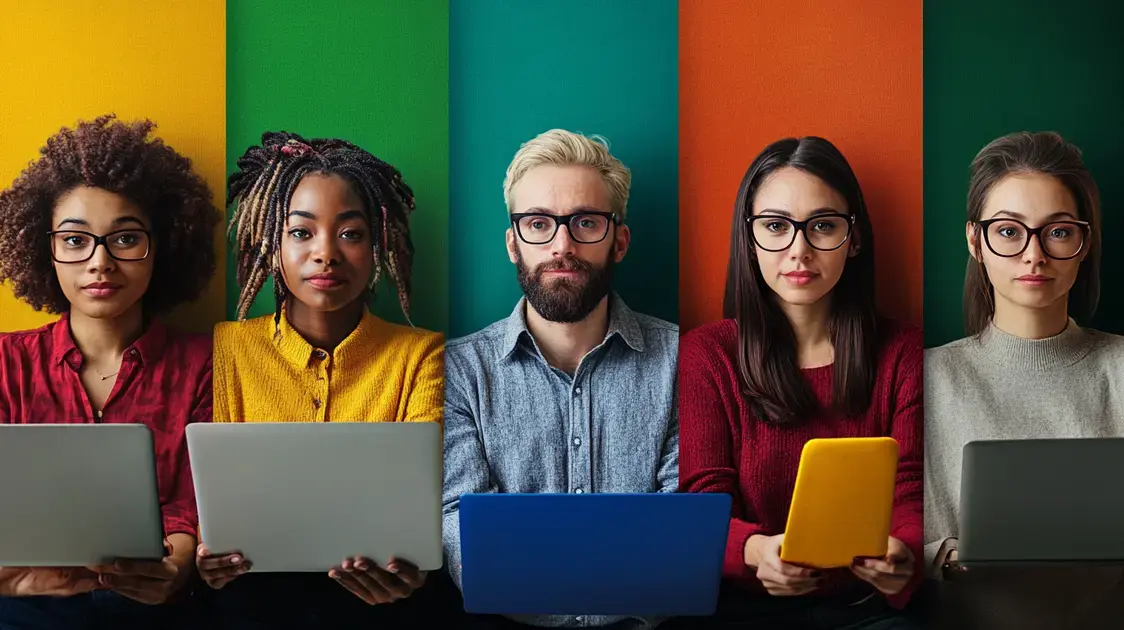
<point>99,610</point>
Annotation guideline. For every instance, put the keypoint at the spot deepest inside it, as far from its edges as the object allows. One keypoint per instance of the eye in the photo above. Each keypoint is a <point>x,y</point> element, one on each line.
<point>126,239</point>
<point>1007,232</point>
<point>1060,233</point>
<point>776,226</point>
<point>299,234</point>
<point>75,240</point>
<point>587,223</point>
<point>823,226</point>
<point>352,234</point>
<point>538,224</point>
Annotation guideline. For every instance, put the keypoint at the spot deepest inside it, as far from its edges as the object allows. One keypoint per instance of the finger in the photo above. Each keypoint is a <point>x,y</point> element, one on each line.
<point>394,584</point>
<point>209,563</point>
<point>351,583</point>
<point>768,575</point>
<point>407,572</point>
<point>775,563</point>
<point>143,568</point>
<point>230,572</point>
<point>881,566</point>
<point>379,584</point>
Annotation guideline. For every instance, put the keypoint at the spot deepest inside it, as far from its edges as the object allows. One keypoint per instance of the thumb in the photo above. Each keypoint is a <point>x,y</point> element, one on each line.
<point>167,547</point>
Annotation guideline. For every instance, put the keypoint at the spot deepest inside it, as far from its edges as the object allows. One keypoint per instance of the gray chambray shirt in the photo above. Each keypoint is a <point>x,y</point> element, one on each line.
<point>513,423</point>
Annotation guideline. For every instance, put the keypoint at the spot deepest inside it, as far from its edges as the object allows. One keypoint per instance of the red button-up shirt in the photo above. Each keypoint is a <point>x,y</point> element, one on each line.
<point>164,382</point>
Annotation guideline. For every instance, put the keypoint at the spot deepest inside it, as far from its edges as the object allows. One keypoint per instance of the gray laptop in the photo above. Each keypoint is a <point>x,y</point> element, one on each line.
<point>301,497</point>
<point>1042,502</point>
<point>78,494</point>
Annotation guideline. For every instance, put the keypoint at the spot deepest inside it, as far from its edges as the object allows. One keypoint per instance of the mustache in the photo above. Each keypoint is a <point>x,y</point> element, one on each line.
<point>563,264</point>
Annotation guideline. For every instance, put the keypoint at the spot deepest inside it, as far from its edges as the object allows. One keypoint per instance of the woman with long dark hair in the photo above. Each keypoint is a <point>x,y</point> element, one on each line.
<point>1027,369</point>
<point>801,354</point>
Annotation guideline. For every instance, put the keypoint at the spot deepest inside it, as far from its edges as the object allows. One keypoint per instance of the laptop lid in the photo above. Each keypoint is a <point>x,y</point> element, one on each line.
<point>593,554</point>
<point>1017,496</point>
<point>78,494</point>
<point>301,497</point>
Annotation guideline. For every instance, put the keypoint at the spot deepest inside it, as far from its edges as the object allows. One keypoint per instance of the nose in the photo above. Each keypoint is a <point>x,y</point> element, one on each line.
<point>563,244</point>
<point>800,247</point>
<point>1034,253</point>
<point>326,250</point>
<point>101,262</point>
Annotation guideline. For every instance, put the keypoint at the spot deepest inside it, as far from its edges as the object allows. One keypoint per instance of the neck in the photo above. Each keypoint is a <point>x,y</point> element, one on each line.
<point>564,345</point>
<point>1031,323</point>
<point>103,341</point>
<point>811,324</point>
<point>324,329</point>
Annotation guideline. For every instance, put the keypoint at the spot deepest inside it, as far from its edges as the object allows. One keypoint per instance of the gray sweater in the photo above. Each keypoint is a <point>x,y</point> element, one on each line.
<point>999,386</point>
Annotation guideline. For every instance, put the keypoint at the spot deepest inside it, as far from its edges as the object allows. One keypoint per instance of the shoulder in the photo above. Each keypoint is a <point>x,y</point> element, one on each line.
<point>195,347</point>
<point>238,331</point>
<point>1108,344</point>
<point>412,340</point>
<point>717,338</point>
<point>951,352</point>
<point>482,342</point>
<point>23,343</point>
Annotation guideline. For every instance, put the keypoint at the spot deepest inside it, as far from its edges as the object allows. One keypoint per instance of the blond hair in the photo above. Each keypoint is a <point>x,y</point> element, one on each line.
<point>559,147</point>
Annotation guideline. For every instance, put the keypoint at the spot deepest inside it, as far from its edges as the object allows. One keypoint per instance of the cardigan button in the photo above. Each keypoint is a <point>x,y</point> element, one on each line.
<point>316,402</point>
<point>320,355</point>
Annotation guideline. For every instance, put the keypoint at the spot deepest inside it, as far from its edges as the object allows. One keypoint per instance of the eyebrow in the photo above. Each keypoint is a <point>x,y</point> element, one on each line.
<point>343,216</point>
<point>575,210</point>
<point>786,213</point>
<point>1060,214</point>
<point>117,221</point>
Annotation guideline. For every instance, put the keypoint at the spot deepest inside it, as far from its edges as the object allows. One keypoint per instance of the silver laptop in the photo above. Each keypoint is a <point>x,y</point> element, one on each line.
<point>1042,502</point>
<point>301,497</point>
<point>78,494</point>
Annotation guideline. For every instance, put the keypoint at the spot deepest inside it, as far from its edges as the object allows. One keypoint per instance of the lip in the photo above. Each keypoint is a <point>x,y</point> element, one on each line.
<point>800,277</point>
<point>325,280</point>
<point>1034,280</point>
<point>102,289</point>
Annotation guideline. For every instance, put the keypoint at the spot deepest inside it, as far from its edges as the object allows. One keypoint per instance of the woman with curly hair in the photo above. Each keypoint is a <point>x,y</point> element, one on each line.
<point>110,229</point>
<point>326,221</point>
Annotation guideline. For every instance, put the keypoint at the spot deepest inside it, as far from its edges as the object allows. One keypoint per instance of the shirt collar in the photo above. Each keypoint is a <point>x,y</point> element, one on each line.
<point>295,349</point>
<point>149,347</point>
<point>622,323</point>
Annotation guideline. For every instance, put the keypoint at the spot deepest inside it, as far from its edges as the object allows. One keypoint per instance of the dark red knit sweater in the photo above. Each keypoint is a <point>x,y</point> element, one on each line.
<point>724,448</point>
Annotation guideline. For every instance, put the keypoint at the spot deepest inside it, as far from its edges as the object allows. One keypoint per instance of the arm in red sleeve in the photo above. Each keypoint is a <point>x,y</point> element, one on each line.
<point>907,523</point>
<point>180,512</point>
<point>706,451</point>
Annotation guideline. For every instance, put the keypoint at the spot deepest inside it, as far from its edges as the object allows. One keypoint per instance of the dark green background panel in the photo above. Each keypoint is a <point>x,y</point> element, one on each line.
<point>1000,66</point>
<point>520,68</point>
<point>374,72</point>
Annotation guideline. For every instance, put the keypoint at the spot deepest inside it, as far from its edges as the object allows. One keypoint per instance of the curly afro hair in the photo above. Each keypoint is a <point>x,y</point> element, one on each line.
<point>119,157</point>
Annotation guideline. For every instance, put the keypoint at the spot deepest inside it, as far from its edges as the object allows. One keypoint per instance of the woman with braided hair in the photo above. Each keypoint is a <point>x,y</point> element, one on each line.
<point>109,228</point>
<point>325,220</point>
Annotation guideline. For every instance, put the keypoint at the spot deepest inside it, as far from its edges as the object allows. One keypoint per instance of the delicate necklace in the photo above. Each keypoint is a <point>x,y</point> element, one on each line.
<point>107,375</point>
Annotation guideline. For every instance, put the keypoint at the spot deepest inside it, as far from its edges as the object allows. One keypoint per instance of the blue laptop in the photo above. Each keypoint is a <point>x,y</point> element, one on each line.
<point>648,555</point>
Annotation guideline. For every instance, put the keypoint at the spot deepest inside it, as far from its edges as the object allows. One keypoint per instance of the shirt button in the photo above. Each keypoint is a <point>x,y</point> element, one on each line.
<point>577,391</point>
<point>578,491</point>
<point>132,352</point>
<point>316,402</point>
<point>577,441</point>
<point>320,355</point>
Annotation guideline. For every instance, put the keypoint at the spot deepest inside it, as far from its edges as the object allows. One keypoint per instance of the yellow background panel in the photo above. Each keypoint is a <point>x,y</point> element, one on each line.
<point>62,61</point>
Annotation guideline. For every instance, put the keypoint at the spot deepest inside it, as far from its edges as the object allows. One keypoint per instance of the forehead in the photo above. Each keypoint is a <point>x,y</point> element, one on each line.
<point>323,194</point>
<point>560,189</point>
<point>96,207</point>
<point>798,193</point>
<point>1034,195</point>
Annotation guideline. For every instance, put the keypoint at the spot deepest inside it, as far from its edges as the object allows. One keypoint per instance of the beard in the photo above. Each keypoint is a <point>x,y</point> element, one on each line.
<point>565,300</point>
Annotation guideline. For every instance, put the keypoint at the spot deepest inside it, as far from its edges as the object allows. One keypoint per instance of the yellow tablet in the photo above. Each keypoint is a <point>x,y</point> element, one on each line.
<point>842,502</point>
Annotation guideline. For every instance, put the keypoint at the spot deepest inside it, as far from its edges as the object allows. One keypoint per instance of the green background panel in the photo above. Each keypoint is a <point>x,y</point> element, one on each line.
<point>995,67</point>
<point>520,68</point>
<point>374,72</point>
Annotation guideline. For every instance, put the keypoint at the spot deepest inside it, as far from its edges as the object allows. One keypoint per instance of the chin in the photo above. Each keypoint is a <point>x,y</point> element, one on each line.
<point>797,297</point>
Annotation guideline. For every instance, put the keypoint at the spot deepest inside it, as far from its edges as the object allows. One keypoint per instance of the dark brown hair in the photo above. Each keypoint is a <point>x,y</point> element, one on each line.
<point>767,356</point>
<point>261,188</point>
<point>1047,153</point>
<point>121,158</point>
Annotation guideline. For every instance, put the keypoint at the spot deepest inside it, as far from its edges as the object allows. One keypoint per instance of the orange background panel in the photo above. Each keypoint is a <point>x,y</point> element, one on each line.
<point>65,61</point>
<point>753,71</point>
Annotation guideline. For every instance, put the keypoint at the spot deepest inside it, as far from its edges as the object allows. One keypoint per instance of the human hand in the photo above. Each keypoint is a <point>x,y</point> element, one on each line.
<point>48,581</point>
<point>779,577</point>
<point>375,585</point>
<point>889,574</point>
<point>218,570</point>
<point>148,581</point>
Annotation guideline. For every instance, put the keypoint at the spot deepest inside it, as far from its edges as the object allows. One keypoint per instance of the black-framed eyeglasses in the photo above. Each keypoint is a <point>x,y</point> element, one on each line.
<point>536,228</point>
<point>825,232</point>
<point>1060,240</point>
<point>76,246</point>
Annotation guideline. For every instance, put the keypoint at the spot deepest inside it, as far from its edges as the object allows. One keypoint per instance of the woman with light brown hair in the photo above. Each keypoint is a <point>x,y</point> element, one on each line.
<point>1027,369</point>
